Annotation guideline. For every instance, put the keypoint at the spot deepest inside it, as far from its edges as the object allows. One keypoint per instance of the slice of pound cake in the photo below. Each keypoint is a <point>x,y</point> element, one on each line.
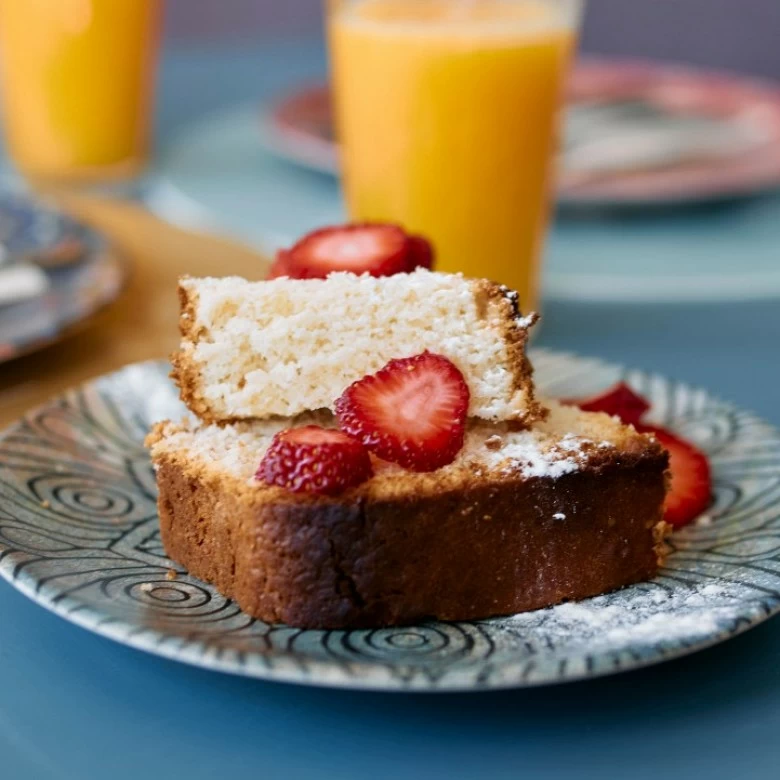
<point>253,350</point>
<point>516,521</point>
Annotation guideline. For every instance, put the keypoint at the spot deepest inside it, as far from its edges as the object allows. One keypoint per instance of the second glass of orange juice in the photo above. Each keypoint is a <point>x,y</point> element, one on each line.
<point>77,85</point>
<point>447,119</point>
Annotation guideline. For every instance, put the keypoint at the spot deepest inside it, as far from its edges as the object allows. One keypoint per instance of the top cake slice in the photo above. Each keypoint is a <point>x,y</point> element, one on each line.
<point>254,350</point>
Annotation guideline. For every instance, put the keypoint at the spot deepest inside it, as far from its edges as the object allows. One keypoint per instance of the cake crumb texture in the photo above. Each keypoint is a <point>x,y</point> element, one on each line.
<point>253,350</point>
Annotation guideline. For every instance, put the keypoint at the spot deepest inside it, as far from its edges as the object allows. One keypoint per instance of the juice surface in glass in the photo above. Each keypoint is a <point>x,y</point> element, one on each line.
<point>77,84</point>
<point>447,119</point>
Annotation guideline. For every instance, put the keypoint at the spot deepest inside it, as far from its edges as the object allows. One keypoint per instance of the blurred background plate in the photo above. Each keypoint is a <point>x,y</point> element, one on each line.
<point>55,274</point>
<point>637,133</point>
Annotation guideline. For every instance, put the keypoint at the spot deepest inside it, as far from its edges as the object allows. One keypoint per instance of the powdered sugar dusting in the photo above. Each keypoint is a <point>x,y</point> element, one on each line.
<point>534,456</point>
<point>646,614</point>
<point>560,445</point>
<point>527,321</point>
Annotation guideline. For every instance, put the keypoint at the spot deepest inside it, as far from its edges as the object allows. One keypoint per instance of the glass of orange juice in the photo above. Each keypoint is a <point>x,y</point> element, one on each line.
<point>447,117</point>
<point>77,85</point>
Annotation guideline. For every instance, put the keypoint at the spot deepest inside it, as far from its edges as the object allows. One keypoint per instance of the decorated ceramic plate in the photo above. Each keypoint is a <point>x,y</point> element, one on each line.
<point>55,273</point>
<point>636,133</point>
<point>79,535</point>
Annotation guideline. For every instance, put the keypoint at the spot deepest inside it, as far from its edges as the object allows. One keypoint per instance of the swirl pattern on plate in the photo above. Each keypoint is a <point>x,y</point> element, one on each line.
<point>79,534</point>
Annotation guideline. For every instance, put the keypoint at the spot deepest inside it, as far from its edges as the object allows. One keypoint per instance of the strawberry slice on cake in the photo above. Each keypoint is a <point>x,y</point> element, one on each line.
<point>412,412</point>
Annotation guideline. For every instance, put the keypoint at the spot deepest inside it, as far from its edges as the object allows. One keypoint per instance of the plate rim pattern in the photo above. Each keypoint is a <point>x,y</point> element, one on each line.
<point>368,659</point>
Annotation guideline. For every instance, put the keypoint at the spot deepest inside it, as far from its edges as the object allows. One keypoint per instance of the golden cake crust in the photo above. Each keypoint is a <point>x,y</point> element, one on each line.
<point>184,372</point>
<point>405,547</point>
<point>505,301</point>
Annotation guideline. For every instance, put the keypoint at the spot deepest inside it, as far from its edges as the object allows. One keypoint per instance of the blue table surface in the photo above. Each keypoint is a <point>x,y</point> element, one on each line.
<point>74,705</point>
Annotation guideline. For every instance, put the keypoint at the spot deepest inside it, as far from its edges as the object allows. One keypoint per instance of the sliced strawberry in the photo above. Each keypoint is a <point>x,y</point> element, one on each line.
<point>411,412</point>
<point>373,248</point>
<point>279,267</point>
<point>619,400</point>
<point>421,253</point>
<point>311,459</point>
<point>691,488</point>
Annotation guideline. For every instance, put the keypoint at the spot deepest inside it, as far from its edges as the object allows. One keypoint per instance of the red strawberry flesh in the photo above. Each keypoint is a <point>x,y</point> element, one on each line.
<point>620,400</point>
<point>311,459</point>
<point>412,412</point>
<point>279,267</point>
<point>690,492</point>
<point>421,253</point>
<point>374,248</point>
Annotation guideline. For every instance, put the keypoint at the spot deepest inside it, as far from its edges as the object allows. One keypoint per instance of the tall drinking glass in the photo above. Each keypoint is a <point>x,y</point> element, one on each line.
<point>77,85</point>
<point>447,114</point>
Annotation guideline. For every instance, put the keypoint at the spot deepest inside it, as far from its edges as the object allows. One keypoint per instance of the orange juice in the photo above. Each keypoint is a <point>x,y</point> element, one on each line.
<point>77,78</point>
<point>446,114</point>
